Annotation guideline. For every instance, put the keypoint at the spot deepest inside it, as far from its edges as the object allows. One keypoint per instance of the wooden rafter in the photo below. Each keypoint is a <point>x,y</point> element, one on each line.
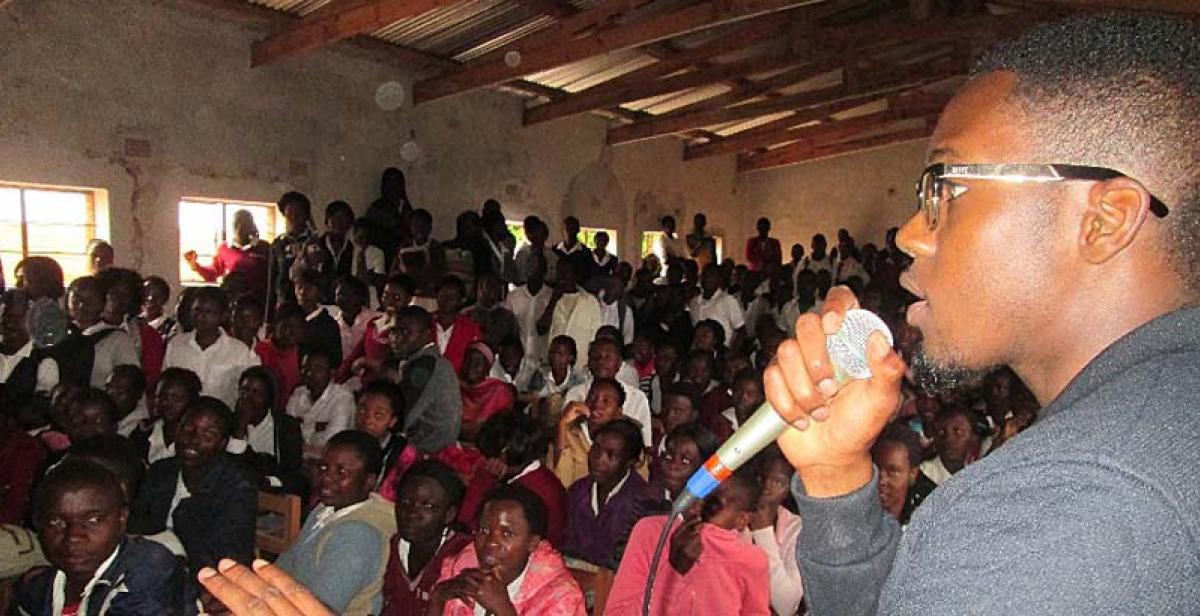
<point>774,158</point>
<point>708,14</point>
<point>787,130</point>
<point>873,86</point>
<point>595,98</point>
<point>616,91</point>
<point>349,18</point>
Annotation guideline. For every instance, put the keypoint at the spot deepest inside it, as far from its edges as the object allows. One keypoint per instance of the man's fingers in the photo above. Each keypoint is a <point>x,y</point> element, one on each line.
<point>225,591</point>
<point>304,602</point>
<point>811,336</point>
<point>838,300</point>
<point>793,368</point>
<point>886,368</point>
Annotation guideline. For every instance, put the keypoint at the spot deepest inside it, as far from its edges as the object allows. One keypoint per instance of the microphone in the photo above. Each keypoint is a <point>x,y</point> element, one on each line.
<point>848,353</point>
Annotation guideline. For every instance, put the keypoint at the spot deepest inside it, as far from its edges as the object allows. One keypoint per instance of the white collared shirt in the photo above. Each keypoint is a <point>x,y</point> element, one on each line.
<point>722,308</point>
<point>47,370</point>
<point>159,449</point>
<point>324,515</point>
<point>126,426</point>
<point>443,336</point>
<point>533,466</point>
<point>219,366</point>
<point>114,350</point>
<point>636,406</point>
<point>334,408</point>
<point>59,591</point>
<point>611,493</point>
<point>353,332</point>
<point>528,308</point>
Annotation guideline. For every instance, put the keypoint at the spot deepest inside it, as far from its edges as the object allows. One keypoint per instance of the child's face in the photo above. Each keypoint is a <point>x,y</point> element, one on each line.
<point>81,528</point>
<point>561,357</point>
<point>747,395</point>
<point>510,359</point>
<point>207,315</point>
<point>247,320</point>
<point>316,373</point>
<point>287,332</point>
<point>85,305</point>
<point>153,301</point>
<point>643,351</point>
<point>896,474</point>
<point>394,298</point>
<point>699,371</point>
<point>375,416</point>
<point>704,339</point>
<point>88,420</point>
<point>776,477</point>
<point>362,237</point>
<point>121,390</point>
<point>308,295</point>
<point>666,360</point>
<point>172,400</point>
<point>347,299</point>
<point>604,403</point>
<point>677,410</point>
<point>607,460</point>
<point>680,458</point>
<point>340,223</point>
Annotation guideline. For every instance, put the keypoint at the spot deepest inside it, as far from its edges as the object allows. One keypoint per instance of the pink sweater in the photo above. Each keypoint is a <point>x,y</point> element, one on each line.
<point>731,576</point>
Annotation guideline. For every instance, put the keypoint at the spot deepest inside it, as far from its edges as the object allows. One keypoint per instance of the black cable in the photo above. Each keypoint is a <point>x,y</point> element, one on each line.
<point>658,550</point>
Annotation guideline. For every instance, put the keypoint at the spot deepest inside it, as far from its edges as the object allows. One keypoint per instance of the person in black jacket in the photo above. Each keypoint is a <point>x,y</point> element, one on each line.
<point>264,438</point>
<point>320,330</point>
<point>81,515</point>
<point>200,495</point>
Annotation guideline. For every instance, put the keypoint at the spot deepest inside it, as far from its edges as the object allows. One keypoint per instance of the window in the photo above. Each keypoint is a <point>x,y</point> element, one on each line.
<point>517,228</point>
<point>49,221</point>
<point>587,236</point>
<point>204,224</point>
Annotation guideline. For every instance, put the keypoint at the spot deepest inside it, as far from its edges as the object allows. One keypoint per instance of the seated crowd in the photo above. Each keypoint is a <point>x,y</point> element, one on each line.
<point>472,425</point>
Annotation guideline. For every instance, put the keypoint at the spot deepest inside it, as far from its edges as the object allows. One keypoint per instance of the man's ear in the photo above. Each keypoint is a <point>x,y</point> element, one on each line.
<point>912,475</point>
<point>1115,212</point>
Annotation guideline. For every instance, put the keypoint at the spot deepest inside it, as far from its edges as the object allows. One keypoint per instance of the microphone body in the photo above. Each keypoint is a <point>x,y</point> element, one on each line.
<point>848,353</point>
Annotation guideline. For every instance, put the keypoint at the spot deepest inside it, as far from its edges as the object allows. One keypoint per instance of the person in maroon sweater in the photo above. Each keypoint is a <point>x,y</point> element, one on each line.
<point>513,446</point>
<point>23,456</point>
<point>428,497</point>
<point>455,331</point>
<point>246,254</point>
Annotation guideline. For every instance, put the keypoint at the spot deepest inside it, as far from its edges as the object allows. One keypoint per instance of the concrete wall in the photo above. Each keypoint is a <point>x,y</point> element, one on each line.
<point>78,77</point>
<point>866,192</point>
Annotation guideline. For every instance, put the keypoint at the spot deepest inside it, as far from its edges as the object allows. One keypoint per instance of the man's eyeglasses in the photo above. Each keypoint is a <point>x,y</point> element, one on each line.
<point>935,186</point>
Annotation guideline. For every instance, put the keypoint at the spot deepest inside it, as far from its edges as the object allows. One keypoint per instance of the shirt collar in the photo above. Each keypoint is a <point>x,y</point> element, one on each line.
<point>533,466</point>
<point>60,584</point>
<point>24,351</point>
<point>611,493</point>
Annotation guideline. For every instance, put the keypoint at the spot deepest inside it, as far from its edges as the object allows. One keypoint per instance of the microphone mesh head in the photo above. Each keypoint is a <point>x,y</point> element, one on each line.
<point>848,347</point>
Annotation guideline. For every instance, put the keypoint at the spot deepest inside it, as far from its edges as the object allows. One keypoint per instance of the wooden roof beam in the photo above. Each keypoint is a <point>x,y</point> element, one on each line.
<point>874,85</point>
<point>349,18</point>
<point>478,74</point>
<point>789,129</point>
<point>607,96</point>
<point>774,158</point>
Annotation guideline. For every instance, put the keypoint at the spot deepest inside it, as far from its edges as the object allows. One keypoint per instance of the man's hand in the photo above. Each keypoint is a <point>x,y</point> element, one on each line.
<point>833,429</point>
<point>264,591</point>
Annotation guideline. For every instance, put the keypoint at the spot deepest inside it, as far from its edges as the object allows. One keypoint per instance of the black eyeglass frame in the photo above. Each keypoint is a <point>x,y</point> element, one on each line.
<point>930,185</point>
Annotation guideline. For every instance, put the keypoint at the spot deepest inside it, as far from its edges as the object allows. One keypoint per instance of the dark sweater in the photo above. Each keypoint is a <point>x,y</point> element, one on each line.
<point>1093,509</point>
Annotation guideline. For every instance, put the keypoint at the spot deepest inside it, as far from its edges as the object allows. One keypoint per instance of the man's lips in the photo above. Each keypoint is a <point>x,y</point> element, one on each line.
<point>910,285</point>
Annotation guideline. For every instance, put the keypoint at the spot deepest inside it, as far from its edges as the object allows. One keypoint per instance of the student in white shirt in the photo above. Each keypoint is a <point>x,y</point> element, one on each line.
<point>614,310</point>
<point>351,315</point>
<point>323,407</point>
<point>714,303</point>
<point>528,302</point>
<point>111,345</point>
<point>604,360</point>
<point>16,346</point>
<point>217,358</point>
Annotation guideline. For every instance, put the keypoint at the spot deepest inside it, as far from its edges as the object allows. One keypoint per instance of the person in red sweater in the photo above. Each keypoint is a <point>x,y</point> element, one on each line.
<point>762,249</point>
<point>369,353</point>
<point>513,446</point>
<point>280,353</point>
<point>246,254</point>
<point>23,456</point>
<point>455,331</point>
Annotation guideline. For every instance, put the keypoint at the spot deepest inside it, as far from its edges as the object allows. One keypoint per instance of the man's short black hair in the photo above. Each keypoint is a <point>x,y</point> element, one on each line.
<point>684,389</point>
<point>441,474</point>
<point>157,283</point>
<point>215,407</point>
<point>114,452</point>
<point>390,391</point>
<point>417,315</point>
<point>531,504</point>
<point>357,286</point>
<point>211,294</point>
<point>338,207</point>
<point>895,434</point>
<point>630,433</point>
<point>264,376</point>
<point>187,379</point>
<point>516,437</point>
<point>706,442</point>
<point>404,281</point>
<point>365,445</point>
<point>295,198</point>
<point>136,377</point>
<point>98,398</point>
<point>73,475</point>
<point>715,326</point>
<point>613,383</point>
<point>1119,90</point>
